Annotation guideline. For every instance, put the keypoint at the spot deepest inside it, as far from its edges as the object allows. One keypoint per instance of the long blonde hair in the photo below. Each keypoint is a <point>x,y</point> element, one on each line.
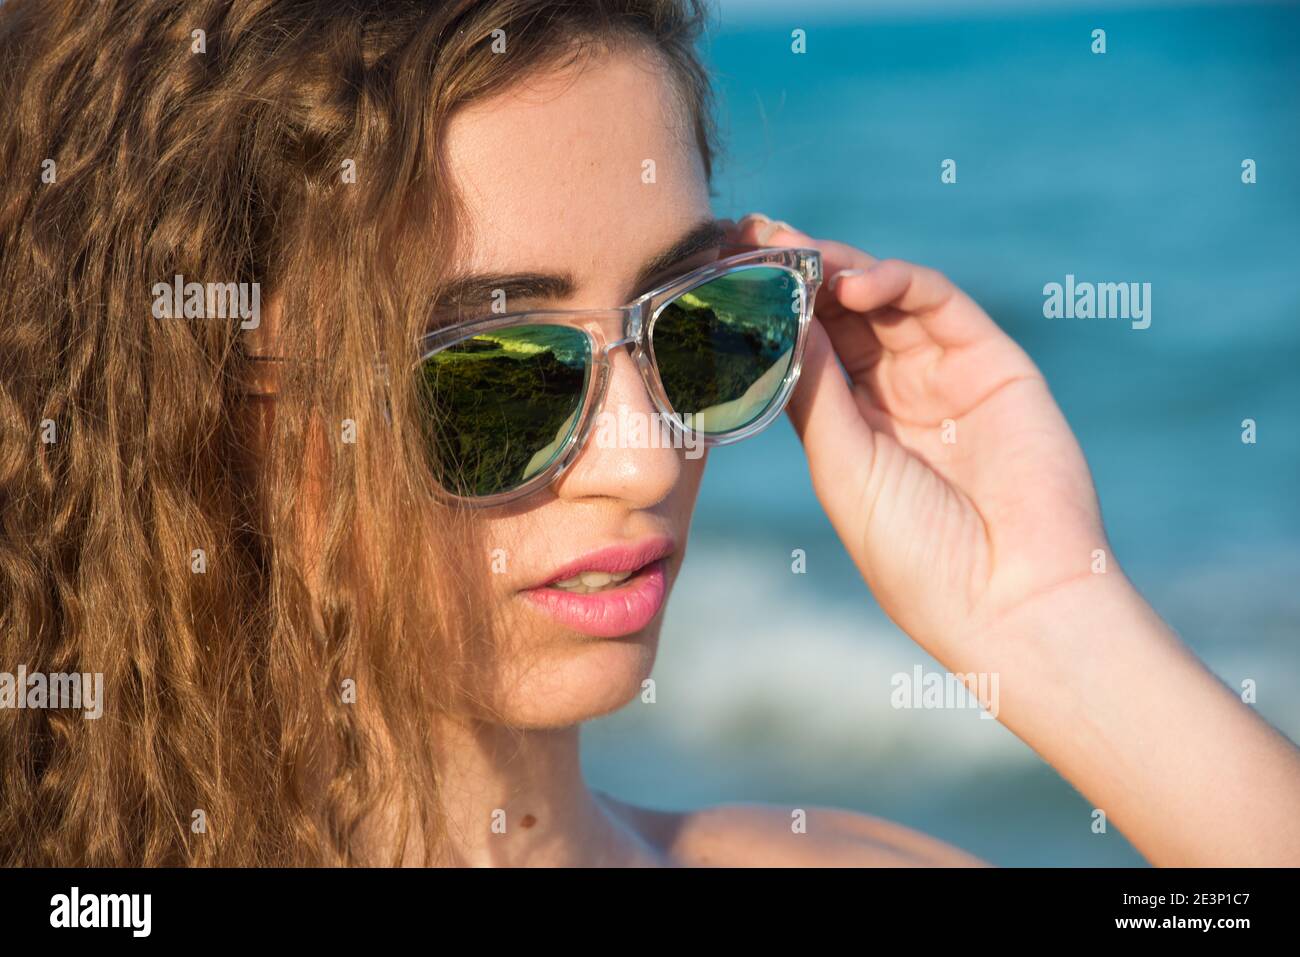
<point>155,523</point>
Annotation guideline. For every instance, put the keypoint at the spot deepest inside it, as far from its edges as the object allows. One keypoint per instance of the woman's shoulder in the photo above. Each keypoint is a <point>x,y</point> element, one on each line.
<point>764,835</point>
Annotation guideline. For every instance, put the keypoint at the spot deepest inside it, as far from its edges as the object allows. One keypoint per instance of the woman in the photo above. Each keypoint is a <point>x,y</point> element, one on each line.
<point>340,616</point>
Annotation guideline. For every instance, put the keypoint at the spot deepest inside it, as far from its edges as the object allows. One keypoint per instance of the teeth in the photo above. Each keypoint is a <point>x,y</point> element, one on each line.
<point>586,582</point>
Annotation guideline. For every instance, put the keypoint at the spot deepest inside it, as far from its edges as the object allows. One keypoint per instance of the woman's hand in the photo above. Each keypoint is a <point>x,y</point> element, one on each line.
<point>957,487</point>
<point>942,460</point>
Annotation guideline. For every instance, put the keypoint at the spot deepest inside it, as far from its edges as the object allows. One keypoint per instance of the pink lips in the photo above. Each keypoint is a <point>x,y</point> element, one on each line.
<point>618,611</point>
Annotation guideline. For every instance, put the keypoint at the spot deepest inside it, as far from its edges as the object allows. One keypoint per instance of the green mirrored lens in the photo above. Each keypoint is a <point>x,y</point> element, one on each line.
<point>503,404</point>
<point>723,348</point>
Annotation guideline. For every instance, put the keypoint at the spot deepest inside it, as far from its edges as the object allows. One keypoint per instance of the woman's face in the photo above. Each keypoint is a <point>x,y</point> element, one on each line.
<point>557,179</point>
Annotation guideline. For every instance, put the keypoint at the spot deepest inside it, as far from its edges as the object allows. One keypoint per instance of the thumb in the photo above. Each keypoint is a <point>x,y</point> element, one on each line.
<point>837,440</point>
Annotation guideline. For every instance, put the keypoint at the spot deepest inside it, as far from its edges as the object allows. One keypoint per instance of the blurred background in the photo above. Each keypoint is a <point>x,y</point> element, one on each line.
<point>1122,167</point>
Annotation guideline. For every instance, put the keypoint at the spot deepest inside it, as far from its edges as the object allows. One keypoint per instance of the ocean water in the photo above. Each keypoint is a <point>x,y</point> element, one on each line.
<point>1122,167</point>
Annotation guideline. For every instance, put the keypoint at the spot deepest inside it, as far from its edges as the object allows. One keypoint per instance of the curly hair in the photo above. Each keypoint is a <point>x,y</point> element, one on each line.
<point>239,571</point>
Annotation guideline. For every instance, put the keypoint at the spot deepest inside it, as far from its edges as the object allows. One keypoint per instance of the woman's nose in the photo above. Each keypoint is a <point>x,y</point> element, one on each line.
<point>630,454</point>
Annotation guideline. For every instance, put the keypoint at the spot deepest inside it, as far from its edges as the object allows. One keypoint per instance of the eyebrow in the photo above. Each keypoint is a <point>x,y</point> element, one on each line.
<point>479,288</point>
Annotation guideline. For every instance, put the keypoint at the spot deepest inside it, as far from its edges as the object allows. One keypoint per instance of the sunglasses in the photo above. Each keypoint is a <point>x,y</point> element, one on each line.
<point>511,399</point>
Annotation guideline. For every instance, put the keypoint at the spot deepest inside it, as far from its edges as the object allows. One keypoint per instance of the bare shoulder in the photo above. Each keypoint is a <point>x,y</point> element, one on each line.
<point>760,835</point>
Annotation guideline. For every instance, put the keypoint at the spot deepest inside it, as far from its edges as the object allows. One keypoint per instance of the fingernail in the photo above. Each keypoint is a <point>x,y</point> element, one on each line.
<point>770,230</point>
<point>843,274</point>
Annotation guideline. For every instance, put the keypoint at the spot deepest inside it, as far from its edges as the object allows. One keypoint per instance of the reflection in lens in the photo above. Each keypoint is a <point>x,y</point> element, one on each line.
<point>502,405</point>
<point>723,349</point>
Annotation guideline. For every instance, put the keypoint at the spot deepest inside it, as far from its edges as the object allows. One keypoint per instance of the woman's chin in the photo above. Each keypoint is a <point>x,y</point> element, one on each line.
<point>580,679</point>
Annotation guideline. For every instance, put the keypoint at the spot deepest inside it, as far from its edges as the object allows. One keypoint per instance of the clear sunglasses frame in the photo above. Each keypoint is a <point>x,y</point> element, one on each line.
<point>633,325</point>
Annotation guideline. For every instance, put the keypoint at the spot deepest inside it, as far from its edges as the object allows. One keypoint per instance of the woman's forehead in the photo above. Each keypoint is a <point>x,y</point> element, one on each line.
<point>577,170</point>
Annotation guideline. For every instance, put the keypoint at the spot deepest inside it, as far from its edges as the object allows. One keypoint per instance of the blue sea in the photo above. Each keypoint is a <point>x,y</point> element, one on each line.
<point>1117,167</point>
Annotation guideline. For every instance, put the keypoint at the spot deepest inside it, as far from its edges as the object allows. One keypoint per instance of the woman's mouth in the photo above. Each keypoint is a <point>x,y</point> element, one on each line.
<point>608,593</point>
<point>588,583</point>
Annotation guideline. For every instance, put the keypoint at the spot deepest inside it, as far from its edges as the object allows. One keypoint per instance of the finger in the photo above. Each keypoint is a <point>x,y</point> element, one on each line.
<point>907,306</point>
<point>757,229</point>
<point>895,283</point>
<point>850,323</point>
<point>827,419</point>
<point>748,227</point>
<point>855,341</point>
